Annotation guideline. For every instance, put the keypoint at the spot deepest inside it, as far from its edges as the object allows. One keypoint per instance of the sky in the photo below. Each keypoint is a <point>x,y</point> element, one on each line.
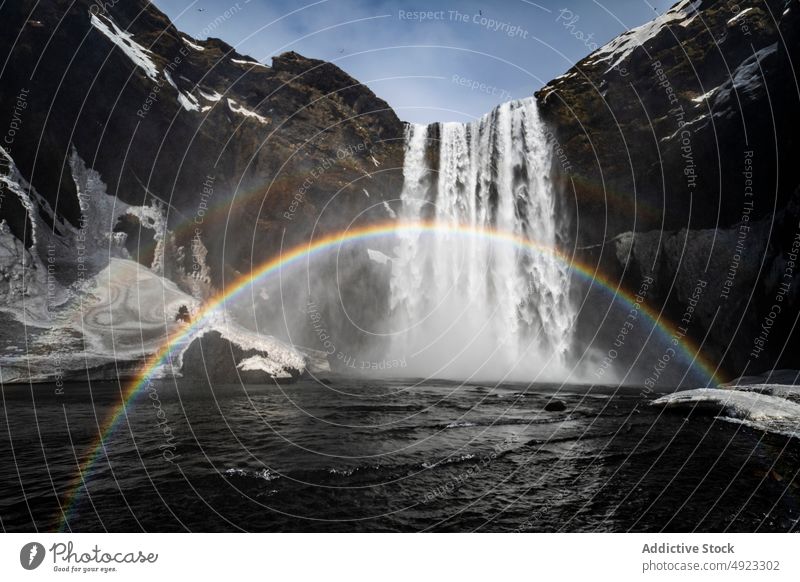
<point>431,61</point>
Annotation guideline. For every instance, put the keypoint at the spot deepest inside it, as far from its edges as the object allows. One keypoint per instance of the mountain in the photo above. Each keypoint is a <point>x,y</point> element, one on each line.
<point>130,140</point>
<point>177,165</point>
<point>676,155</point>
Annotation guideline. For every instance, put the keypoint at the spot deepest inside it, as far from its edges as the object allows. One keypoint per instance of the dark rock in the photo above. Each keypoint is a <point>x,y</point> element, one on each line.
<point>555,406</point>
<point>651,155</point>
<point>310,111</point>
<point>218,359</point>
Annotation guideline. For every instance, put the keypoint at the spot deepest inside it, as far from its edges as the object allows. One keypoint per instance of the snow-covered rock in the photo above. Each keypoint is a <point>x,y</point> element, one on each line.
<point>746,81</point>
<point>242,110</point>
<point>754,409</point>
<point>185,100</point>
<point>193,45</point>
<point>249,63</point>
<point>124,40</point>
<point>619,49</point>
<point>230,354</point>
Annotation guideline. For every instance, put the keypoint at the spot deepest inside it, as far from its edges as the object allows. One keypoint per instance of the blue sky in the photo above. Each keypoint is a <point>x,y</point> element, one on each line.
<point>456,64</point>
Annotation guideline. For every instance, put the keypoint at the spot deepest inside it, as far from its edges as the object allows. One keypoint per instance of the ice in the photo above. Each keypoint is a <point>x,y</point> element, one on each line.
<point>97,307</point>
<point>129,310</point>
<point>124,40</point>
<point>736,403</point>
<point>13,183</point>
<point>246,112</point>
<point>262,364</point>
<point>153,217</point>
<point>34,286</point>
<point>279,355</point>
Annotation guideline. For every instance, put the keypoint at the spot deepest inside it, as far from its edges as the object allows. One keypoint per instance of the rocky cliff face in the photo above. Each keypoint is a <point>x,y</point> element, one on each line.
<point>127,139</point>
<point>676,146</point>
<point>217,141</point>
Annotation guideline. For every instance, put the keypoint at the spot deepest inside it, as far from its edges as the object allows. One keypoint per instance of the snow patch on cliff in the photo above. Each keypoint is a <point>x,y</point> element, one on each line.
<point>620,48</point>
<point>193,45</point>
<point>755,409</point>
<point>186,100</point>
<point>124,40</point>
<point>249,63</point>
<point>263,364</point>
<point>241,110</point>
<point>213,97</point>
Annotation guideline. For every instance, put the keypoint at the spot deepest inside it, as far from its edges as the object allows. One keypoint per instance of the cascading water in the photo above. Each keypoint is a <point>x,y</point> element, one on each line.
<point>467,304</point>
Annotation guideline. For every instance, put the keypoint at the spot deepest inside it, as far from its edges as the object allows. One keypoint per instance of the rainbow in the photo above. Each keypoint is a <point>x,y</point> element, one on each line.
<point>306,251</point>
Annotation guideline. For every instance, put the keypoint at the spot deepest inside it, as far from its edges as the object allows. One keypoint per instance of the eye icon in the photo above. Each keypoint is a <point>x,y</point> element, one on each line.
<point>31,555</point>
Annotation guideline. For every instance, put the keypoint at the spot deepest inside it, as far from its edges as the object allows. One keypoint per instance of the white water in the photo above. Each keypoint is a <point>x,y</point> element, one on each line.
<point>469,306</point>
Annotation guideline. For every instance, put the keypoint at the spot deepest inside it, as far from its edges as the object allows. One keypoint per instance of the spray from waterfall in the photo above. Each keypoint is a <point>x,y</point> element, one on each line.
<point>466,307</point>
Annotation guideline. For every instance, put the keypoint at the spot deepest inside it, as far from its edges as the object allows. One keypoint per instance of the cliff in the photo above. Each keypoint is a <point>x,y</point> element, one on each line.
<point>676,148</point>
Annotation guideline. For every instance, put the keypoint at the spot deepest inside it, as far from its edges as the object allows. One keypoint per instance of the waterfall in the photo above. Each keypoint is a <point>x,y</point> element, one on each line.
<point>470,305</point>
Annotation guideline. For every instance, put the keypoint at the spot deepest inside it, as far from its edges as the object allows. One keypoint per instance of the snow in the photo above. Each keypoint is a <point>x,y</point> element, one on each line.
<point>746,78</point>
<point>379,257</point>
<point>124,40</point>
<point>278,351</point>
<point>189,43</point>
<point>246,112</point>
<point>186,100</point>
<point>365,192</point>
<point>249,63</point>
<point>757,410</point>
<point>153,217</point>
<point>14,184</point>
<point>736,403</point>
<point>568,75</point>
<point>23,282</point>
<point>701,118</point>
<point>276,358</point>
<point>389,210</point>
<point>97,307</point>
<point>129,311</point>
<point>704,96</point>
<point>622,46</point>
<point>738,16</point>
<point>262,364</point>
<point>214,97</point>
